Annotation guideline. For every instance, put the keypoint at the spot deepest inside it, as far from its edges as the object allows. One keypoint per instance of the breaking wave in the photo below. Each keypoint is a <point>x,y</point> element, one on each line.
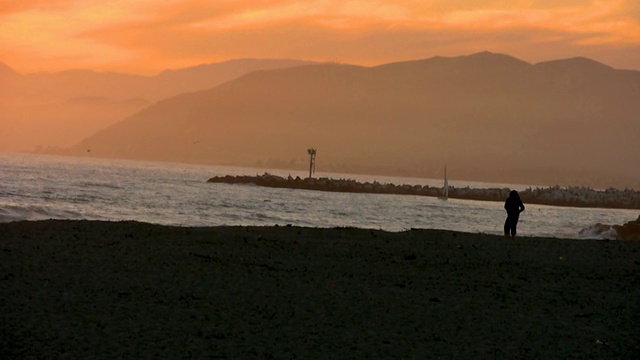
<point>11,213</point>
<point>16,213</point>
<point>599,231</point>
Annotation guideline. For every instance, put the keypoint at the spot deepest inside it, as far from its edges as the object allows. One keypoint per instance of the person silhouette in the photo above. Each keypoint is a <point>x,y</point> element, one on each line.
<point>514,207</point>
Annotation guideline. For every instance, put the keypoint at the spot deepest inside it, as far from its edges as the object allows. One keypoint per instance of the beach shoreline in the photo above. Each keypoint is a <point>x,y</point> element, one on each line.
<point>92,289</point>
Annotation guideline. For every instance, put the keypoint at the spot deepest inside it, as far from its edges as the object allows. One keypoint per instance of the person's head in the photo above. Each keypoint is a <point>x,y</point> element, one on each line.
<point>514,195</point>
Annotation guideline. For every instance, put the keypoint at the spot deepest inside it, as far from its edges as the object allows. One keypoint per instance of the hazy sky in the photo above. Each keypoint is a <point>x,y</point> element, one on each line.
<point>146,36</point>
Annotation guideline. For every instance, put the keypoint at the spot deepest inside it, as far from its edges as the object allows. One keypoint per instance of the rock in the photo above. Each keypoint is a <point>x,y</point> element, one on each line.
<point>555,196</point>
<point>629,231</point>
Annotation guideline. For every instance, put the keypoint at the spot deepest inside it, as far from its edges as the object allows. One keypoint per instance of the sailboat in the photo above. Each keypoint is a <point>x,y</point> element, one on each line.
<point>445,188</point>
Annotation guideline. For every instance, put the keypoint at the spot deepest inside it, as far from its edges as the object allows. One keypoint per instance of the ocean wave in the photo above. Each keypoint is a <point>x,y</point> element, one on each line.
<point>96,184</point>
<point>598,231</point>
<point>11,213</point>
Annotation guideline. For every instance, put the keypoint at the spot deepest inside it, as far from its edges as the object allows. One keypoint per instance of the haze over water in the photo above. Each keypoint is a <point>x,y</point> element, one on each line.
<point>42,187</point>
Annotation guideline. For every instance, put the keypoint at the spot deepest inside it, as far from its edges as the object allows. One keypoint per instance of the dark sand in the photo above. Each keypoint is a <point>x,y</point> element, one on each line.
<point>80,289</point>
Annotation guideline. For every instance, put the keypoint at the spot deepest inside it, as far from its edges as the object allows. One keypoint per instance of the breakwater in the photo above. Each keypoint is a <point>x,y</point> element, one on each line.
<point>556,196</point>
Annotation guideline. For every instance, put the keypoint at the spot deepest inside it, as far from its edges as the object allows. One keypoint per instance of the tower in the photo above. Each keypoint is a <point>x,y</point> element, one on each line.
<point>312,161</point>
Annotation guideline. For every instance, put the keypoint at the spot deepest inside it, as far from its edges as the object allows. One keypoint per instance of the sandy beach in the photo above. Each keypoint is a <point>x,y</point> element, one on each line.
<point>86,289</point>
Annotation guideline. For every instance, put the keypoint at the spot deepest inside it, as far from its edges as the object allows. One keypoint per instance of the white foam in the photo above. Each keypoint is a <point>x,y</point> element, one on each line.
<point>11,213</point>
<point>599,231</point>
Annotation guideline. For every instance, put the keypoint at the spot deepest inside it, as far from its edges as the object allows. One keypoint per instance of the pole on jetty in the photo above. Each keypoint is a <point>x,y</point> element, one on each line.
<point>312,161</point>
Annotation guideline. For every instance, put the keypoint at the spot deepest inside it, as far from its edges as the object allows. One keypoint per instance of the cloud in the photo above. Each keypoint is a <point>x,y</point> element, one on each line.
<point>173,33</point>
<point>13,7</point>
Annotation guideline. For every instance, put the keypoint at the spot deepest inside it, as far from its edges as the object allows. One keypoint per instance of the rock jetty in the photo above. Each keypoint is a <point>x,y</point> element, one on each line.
<point>556,196</point>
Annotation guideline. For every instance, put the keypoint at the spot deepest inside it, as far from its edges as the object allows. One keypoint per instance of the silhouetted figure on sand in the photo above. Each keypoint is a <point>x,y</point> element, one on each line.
<point>514,207</point>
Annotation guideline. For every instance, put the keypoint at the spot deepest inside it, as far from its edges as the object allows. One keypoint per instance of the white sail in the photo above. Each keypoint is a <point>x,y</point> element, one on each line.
<point>445,188</point>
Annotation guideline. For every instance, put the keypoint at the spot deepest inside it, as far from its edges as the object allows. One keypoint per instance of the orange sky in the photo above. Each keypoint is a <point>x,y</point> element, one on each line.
<point>147,36</point>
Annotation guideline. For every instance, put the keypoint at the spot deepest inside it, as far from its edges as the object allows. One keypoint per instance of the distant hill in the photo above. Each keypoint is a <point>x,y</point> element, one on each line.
<point>488,116</point>
<point>41,109</point>
<point>7,73</point>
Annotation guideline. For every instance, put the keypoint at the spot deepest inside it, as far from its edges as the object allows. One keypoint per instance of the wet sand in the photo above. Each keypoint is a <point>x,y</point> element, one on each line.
<point>81,289</point>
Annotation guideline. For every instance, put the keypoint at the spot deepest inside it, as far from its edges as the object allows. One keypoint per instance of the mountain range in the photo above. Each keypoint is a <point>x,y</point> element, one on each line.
<point>488,116</point>
<point>43,110</point>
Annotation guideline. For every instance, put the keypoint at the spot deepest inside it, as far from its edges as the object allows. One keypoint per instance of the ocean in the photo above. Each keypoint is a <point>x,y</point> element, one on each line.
<point>37,187</point>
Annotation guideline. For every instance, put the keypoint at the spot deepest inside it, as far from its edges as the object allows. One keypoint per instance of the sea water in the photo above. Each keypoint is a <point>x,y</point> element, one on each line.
<point>36,187</point>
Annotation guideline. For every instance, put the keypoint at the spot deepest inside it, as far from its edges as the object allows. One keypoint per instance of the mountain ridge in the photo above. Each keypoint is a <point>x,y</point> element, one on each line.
<point>41,106</point>
<point>494,122</point>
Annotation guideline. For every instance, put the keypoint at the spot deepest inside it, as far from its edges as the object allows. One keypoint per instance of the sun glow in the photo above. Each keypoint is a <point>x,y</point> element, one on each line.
<point>150,35</point>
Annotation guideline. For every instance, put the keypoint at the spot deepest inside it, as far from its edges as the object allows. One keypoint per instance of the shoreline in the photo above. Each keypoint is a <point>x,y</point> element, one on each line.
<point>93,289</point>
